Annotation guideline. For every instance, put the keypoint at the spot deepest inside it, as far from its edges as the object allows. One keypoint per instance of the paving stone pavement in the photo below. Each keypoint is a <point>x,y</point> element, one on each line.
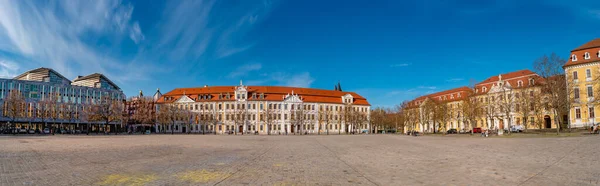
<point>297,160</point>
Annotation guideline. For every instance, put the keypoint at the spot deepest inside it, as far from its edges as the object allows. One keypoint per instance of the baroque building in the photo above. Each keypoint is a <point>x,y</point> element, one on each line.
<point>516,98</point>
<point>266,110</point>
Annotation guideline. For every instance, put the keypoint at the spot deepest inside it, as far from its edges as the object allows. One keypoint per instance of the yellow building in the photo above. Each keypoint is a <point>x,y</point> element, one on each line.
<point>582,71</point>
<point>497,103</point>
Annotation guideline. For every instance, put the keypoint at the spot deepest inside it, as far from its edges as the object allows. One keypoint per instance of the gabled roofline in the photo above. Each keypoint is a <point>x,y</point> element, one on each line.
<point>97,75</point>
<point>42,68</point>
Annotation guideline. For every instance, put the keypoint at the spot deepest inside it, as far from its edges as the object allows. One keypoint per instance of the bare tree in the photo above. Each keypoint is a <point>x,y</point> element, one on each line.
<point>428,113</point>
<point>43,112</point>
<point>297,118</point>
<point>377,118</point>
<point>413,116</point>
<point>442,115</point>
<point>268,118</point>
<point>144,111</point>
<point>239,118</point>
<point>325,116</point>
<point>556,86</point>
<point>13,105</point>
<point>490,110</point>
<point>107,111</point>
<point>169,115</point>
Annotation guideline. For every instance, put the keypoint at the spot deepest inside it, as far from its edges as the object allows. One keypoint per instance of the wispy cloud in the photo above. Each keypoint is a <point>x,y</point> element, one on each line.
<point>303,79</point>
<point>400,65</point>
<point>244,70</point>
<point>54,34</point>
<point>82,37</point>
<point>8,69</point>
<point>427,87</point>
<point>453,80</point>
<point>595,13</point>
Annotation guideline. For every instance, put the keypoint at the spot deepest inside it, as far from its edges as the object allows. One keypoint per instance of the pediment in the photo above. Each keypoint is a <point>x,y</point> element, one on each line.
<point>292,98</point>
<point>185,99</point>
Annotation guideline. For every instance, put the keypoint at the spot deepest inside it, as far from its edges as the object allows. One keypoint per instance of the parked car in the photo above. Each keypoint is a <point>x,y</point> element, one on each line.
<point>477,130</point>
<point>452,131</point>
<point>415,133</point>
<point>516,128</point>
<point>22,131</point>
<point>46,131</point>
<point>31,131</point>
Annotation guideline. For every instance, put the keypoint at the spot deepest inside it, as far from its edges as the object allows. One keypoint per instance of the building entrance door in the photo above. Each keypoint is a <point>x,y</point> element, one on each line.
<point>501,124</point>
<point>548,121</point>
<point>241,129</point>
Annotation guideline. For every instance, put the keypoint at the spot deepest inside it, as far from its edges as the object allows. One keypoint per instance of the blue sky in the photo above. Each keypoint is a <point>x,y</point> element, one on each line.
<point>387,51</point>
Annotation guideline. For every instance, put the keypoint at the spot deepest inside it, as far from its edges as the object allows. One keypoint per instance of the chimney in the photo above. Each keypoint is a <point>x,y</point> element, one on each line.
<point>205,86</point>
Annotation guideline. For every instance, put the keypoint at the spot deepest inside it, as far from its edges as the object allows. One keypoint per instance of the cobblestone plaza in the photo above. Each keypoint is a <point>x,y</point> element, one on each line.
<point>297,160</point>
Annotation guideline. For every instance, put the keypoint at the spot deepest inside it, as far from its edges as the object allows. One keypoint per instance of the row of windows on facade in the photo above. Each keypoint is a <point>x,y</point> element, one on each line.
<point>590,92</point>
<point>233,117</point>
<point>509,96</point>
<point>519,84</point>
<point>588,74</point>
<point>261,127</point>
<point>221,96</point>
<point>271,106</point>
<point>585,56</point>
<point>451,96</point>
<point>35,110</point>
<point>41,91</point>
<point>591,112</point>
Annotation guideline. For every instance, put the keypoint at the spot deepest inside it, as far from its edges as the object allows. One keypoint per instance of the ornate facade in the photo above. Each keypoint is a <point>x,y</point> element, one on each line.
<point>266,110</point>
<point>516,98</point>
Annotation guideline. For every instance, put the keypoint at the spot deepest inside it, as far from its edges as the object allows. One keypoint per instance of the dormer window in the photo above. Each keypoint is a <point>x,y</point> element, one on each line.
<point>531,81</point>
<point>598,54</point>
<point>574,57</point>
<point>519,83</point>
<point>483,89</point>
<point>586,55</point>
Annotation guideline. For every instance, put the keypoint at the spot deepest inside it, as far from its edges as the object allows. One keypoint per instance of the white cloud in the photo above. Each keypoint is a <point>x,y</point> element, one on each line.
<point>8,69</point>
<point>244,69</point>
<point>400,65</point>
<point>427,87</point>
<point>303,79</point>
<point>299,80</point>
<point>54,34</point>
<point>454,80</point>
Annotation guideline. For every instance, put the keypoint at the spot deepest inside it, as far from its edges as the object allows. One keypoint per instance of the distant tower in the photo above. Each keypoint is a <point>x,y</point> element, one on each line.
<point>339,86</point>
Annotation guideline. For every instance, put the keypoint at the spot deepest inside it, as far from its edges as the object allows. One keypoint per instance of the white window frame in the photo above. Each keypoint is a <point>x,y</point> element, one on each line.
<point>586,55</point>
<point>577,109</point>
<point>588,91</point>
<point>519,83</point>
<point>573,57</point>
<point>484,89</point>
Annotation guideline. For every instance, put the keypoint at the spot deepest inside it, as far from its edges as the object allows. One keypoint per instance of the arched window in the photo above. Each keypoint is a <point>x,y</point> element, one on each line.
<point>519,83</point>
<point>574,57</point>
<point>531,81</point>
<point>483,89</point>
<point>586,55</point>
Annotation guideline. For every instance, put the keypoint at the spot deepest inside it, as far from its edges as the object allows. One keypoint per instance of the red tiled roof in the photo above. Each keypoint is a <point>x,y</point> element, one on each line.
<point>271,93</point>
<point>592,47</point>
<point>450,95</point>
<point>508,76</point>
<point>511,78</point>
<point>592,44</point>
